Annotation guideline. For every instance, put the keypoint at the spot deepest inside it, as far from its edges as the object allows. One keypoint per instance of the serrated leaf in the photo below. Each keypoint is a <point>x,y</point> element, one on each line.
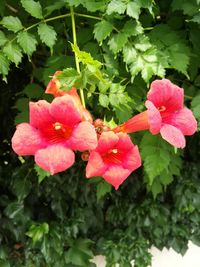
<point>117,42</point>
<point>133,10</point>
<point>3,38</point>
<point>42,174</point>
<point>103,100</point>
<point>116,6</point>
<point>14,209</point>
<point>47,34</point>
<point>132,28</point>
<point>103,188</point>
<point>4,65</point>
<point>36,232</point>
<point>155,155</point>
<point>129,53</point>
<point>195,104</point>
<point>27,42</point>
<point>13,53</point>
<point>102,30</point>
<point>12,23</point>
<point>80,252</point>
<point>69,78</point>
<point>32,7</point>
<point>55,6</point>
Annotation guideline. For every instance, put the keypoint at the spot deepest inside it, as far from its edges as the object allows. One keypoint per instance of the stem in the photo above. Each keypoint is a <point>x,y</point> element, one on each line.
<point>87,16</point>
<point>49,19</point>
<point>76,58</point>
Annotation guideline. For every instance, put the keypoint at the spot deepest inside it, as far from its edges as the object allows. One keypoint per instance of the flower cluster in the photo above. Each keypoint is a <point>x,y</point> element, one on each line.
<point>55,130</point>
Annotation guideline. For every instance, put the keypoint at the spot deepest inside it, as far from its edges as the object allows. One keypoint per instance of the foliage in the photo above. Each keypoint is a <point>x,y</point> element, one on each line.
<point>65,219</point>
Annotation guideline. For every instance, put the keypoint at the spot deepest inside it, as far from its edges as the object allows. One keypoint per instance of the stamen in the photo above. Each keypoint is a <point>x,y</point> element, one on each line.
<point>57,126</point>
<point>162,108</point>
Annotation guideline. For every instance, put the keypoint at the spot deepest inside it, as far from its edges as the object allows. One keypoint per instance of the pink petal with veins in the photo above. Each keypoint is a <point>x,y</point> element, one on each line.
<point>165,93</point>
<point>173,135</point>
<point>107,141</point>
<point>95,166</point>
<point>154,117</point>
<point>84,137</point>
<point>184,120</point>
<point>63,110</point>
<point>116,175</point>
<point>39,114</point>
<point>27,140</point>
<point>55,158</point>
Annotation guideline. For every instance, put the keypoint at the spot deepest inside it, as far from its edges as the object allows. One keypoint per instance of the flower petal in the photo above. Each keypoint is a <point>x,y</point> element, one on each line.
<point>27,140</point>
<point>107,141</point>
<point>84,137</point>
<point>132,160</point>
<point>95,166</point>
<point>184,120</point>
<point>173,135</point>
<point>124,143</point>
<point>55,158</point>
<point>39,114</point>
<point>165,93</point>
<point>154,117</point>
<point>115,175</point>
<point>64,111</point>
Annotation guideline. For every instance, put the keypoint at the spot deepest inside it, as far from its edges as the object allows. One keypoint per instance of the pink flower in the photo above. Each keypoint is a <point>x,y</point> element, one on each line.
<point>54,131</point>
<point>165,114</point>
<point>54,88</point>
<point>114,158</point>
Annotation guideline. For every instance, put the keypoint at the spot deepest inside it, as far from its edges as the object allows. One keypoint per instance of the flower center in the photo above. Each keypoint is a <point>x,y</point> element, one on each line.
<point>113,156</point>
<point>162,108</point>
<point>57,132</point>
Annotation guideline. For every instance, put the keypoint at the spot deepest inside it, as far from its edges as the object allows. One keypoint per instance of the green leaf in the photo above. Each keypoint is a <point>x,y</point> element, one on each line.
<point>14,209</point>
<point>133,10</point>
<point>116,6</point>
<point>172,46</point>
<point>196,18</point>
<point>129,53</point>
<point>4,65</point>
<point>42,174</point>
<point>85,57</point>
<point>37,231</point>
<point>102,30</point>
<point>32,7</point>
<point>69,78</point>
<point>80,252</point>
<point>12,23</point>
<point>21,187</point>
<point>47,34</point>
<point>117,42</point>
<point>3,38</point>
<point>27,42</point>
<point>13,52</point>
<point>155,155</point>
<point>4,263</point>
<point>33,90</point>
<point>195,104</point>
<point>103,188</point>
<point>103,100</point>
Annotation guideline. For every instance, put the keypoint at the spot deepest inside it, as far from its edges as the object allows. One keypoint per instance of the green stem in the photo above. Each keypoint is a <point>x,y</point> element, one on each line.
<point>76,58</point>
<point>49,19</point>
<point>87,16</point>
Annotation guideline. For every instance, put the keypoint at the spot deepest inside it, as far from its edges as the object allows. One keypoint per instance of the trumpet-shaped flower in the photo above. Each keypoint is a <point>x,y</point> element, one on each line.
<point>165,114</point>
<point>54,131</point>
<point>114,158</point>
<point>54,88</point>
